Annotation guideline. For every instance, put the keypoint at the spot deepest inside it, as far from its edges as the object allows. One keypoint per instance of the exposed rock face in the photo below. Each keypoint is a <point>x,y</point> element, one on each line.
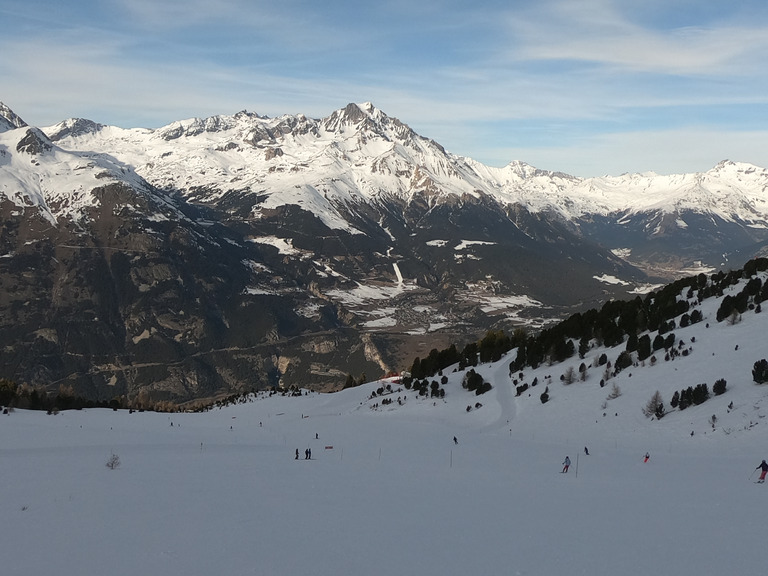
<point>34,143</point>
<point>9,120</point>
<point>161,306</point>
<point>138,291</point>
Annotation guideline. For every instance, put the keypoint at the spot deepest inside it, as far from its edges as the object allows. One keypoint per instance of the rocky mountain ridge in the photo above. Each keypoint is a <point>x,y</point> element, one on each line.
<point>385,156</point>
<point>359,155</point>
<point>236,252</point>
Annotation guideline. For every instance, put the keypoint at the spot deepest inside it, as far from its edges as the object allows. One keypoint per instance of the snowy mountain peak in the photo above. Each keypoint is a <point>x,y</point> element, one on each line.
<point>196,126</point>
<point>526,171</point>
<point>365,117</point>
<point>358,153</point>
<point>730,168</point>
<point>73,127</point>
<point>9,120</point>
<point>351,115</point>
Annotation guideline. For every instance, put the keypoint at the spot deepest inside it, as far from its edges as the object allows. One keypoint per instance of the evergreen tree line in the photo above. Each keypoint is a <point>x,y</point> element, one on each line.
<point>691,396</point>
<point>23,396</point>
<point>753,294</point>
<point>682,399</point>
<point>696,395</point>
<point>474,382</point>
<point>489,349</point>
<point>26,397</point>
<point>352,382</point>
<point>424,387</point>
<point>616,322</point>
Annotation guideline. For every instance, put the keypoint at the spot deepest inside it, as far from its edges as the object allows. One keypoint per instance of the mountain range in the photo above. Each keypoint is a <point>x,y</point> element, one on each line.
<point>237,252</point>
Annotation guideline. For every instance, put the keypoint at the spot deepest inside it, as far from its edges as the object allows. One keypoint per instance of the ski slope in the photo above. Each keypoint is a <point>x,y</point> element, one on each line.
<point>388,492</point>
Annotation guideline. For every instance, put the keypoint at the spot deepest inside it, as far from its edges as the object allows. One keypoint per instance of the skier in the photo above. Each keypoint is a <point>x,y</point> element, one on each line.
<point>566,465</point>
<point>455,441</point>
<point>646,457</point>
<point>586,451</point>
<point>764,467</point>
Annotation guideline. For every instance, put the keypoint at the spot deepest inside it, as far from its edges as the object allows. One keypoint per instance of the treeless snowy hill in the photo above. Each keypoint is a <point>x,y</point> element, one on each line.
<point>388,491</point>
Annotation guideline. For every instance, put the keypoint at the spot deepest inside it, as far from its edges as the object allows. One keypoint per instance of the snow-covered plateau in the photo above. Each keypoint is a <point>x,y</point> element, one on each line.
<point>387,490</point>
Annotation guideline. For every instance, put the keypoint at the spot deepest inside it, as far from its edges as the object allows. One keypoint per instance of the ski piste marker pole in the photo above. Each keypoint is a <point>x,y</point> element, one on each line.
<point>577,464</point>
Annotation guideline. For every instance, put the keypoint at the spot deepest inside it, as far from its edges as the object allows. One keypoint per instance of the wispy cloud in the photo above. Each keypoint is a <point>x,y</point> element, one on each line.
<point>496,80</point>
<point>599,32</point>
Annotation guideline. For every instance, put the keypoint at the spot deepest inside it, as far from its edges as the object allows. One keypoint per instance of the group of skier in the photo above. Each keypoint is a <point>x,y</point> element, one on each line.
<point>307,454</point>
<point>567,462</point>
<point>763,467</point>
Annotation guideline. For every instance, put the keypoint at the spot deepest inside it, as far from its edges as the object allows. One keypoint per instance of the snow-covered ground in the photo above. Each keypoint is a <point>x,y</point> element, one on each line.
<point>387,491</point>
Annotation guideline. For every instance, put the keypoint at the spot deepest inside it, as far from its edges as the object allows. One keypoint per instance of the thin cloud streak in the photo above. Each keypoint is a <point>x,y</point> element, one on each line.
<point>604,36</point>
<point>541,82</point>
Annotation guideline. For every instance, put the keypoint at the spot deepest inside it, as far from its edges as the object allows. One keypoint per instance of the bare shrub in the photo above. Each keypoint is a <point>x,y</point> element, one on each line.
<point>113,462</point>
<point>655,406</point>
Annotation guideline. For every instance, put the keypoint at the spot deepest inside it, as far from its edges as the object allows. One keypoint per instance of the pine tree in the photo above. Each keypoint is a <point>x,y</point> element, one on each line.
<point>696,316</point>
<point>643,347</point>
<point>719,387</point>
<point>583,347</point>
<point>760,371</point>
<point>632,343</point>
<point>623,361</point>
<point>700,394</point>
<point>685,398</point>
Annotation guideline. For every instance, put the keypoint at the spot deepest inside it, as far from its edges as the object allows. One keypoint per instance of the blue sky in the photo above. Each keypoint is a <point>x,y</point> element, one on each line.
<point>587,87</point>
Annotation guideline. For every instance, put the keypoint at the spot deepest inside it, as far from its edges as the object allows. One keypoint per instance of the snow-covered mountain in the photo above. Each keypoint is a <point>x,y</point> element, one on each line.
<point>60,184</point>
<point>286,240</point>
<point>360,156</point>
